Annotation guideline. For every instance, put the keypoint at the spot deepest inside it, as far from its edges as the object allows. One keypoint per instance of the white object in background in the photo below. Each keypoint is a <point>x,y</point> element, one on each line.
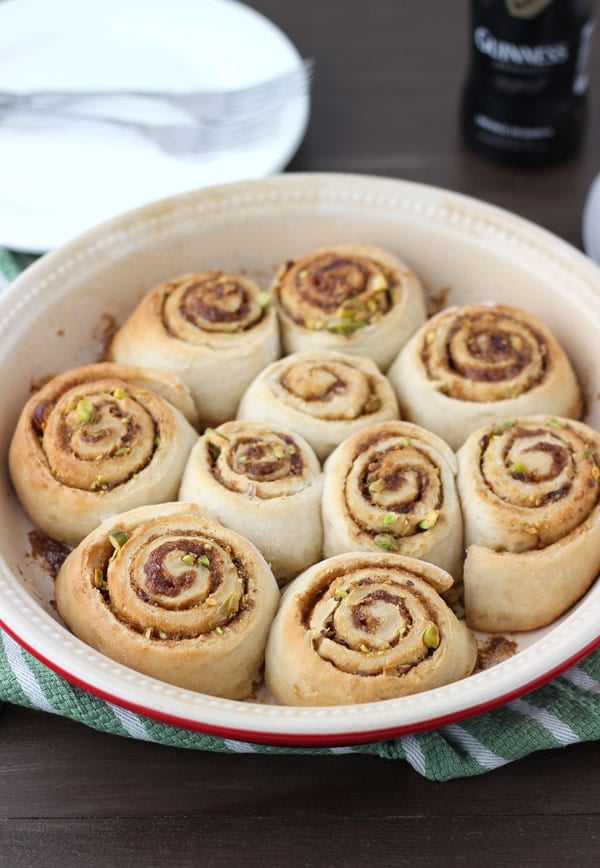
<point>591,222</point>
<point>66,177</point>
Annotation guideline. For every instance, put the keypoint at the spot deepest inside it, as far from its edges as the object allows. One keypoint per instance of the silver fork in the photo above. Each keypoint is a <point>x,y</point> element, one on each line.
<point>204,106</point>
<point>177,139</point>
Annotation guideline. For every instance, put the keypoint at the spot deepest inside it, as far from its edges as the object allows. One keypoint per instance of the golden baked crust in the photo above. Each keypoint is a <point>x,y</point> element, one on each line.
<point>362,627</point>
<point>171,594</point>
<point>470,366</point>
<point>354,298</point>
<point>531,504</point>
<point>97,440</point>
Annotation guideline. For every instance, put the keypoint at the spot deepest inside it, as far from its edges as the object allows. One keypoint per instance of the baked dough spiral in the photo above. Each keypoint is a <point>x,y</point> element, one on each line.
<point>364,627</point>
<point>392,487</point>
<point>354,298</point>
<point>471,365</point>
<point>265,482</point>
<point>96,440</point>
<point>325,396</point>
<point>215,330</point>
<point>531,503</point>
<point>171,594</point>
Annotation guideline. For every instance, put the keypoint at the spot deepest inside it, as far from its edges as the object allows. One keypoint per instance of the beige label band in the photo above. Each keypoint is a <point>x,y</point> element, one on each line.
<point>526,8</point>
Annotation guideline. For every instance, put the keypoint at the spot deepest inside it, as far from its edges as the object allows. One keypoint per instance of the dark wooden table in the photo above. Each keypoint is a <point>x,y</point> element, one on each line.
<point>385,103</point>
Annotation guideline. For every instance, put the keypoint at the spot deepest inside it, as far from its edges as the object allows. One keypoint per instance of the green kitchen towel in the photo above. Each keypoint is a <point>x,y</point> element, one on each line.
<point>562,712</point>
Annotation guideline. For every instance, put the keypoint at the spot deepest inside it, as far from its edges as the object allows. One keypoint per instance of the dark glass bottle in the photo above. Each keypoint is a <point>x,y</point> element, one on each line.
<point>524,98</point>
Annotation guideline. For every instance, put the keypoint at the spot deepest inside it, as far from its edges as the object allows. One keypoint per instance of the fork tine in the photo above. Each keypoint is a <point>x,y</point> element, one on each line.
<point>248,100</point>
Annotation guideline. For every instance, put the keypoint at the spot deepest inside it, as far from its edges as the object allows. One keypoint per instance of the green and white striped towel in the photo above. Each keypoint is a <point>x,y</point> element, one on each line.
<point>562,712</point>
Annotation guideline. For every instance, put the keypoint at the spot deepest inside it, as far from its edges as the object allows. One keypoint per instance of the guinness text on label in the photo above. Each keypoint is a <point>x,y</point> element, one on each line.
<point>519,55</point>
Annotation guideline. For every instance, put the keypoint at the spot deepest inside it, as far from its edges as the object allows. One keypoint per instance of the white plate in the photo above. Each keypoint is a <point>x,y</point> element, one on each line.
<point>60,178</point>
<point>459,246</point>
<point>590,231</point>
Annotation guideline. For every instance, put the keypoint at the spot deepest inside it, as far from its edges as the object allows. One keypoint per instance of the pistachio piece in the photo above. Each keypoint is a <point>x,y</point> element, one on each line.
<point>117,539</point>
<point>204,561</point>
<point>99,580</point>
<point>390,517</point>
<point>429,521</point>
<point>517,467</point>
<point>119,393</point>
<point>385,541</point>
<point>379,283</point>
<point>84,410</point>
<point>189,559</point>
<point>232,605</point>
<point>431,636</point>
<point>263,299</point>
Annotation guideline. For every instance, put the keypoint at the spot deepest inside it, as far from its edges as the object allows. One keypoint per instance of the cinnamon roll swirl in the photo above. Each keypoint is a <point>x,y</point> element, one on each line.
<point>96,440</point>
<point>354,298</point>
<point>324,396</point>
<point>365,627</point>
<point>471,365</point>
<point>215,330</point>
<point>391,487</point>
<point>265,482</point>
<point>171,594</point>
<point>530,494</point>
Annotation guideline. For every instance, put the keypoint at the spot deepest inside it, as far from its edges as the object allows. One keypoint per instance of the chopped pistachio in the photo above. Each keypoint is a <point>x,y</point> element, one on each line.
<point>346,326</point>
<point>555,423</point>
<point>379,283</point>
<point>596,472</point>
<point>431,636</point>
<point>390,517</point>
<point>212,432</point>
<point>429,521</point>
<point>232,605</point>
<point>340,593</point>
<point>365,649</point>
<point>189,558</point>
<point>219,630</point>
<point>263,299</point>
<point>292,449</point>
<point>375,486</point>
<point>84,410</point>
<point>156,442</point>
<point>385,541</point>
<point>278,451</point>
<point>303,272</point>
<point>123,450</point>
<point>117,540</point>
<point>517,467</point>
<point>119,393</point>
<point>516,342</point>
<point>204,561</point>
<point>99,580</point>
<point>587,453</point>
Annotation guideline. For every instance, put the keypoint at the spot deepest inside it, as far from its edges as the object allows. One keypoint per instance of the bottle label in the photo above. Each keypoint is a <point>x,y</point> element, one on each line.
<point>526,8</point>
<point>552,54</point>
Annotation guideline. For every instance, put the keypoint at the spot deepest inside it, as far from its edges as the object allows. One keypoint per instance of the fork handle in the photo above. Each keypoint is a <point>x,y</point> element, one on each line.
<point>50,99</point>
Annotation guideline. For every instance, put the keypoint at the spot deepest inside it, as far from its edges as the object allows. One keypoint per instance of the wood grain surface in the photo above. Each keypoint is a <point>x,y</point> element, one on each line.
<point>385,102</point>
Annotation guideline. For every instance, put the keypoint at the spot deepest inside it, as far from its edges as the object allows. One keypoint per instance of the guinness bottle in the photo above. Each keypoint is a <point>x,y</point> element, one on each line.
<point>524,97</point>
